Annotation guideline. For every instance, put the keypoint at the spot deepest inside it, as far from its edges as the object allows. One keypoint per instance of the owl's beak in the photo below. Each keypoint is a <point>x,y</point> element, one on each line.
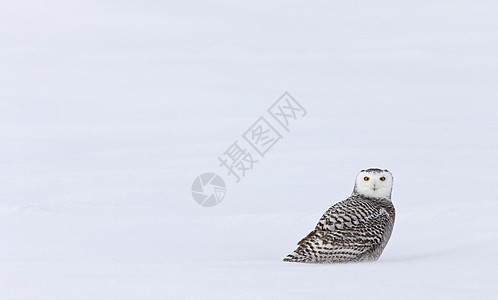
<point>374,187</point>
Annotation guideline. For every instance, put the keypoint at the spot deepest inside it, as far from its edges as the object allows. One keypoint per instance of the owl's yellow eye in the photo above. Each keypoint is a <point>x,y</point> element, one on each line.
<point>382,178</point>
<point>366,178</point>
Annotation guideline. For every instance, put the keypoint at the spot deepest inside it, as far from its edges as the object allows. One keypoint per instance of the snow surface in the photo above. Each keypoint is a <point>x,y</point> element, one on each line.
<point>109,110</point>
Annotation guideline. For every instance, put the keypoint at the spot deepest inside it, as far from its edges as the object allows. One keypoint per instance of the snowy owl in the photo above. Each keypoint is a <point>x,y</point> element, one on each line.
<point>353,230</point>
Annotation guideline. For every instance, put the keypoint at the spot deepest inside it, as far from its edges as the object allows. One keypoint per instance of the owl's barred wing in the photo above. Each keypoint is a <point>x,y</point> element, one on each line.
<point>348,231</point>
<point>325,246</point>
<point>347,214</point>
<point>341,245</point>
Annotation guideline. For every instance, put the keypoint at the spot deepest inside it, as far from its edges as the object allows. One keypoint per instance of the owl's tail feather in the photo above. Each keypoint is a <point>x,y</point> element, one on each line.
<point>296,257</point>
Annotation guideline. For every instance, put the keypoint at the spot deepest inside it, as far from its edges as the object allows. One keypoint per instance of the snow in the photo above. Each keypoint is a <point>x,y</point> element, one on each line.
<point>109,111</point>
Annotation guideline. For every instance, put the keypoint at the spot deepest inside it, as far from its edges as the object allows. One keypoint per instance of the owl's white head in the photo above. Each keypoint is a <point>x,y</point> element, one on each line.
<point>374,183</point>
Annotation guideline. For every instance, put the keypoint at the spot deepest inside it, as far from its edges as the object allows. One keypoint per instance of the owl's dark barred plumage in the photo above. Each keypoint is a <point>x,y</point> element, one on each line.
<point>353,230</point>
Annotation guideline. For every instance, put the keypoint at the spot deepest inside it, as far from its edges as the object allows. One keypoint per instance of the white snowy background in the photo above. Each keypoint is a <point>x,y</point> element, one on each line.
<point>110,109</point>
